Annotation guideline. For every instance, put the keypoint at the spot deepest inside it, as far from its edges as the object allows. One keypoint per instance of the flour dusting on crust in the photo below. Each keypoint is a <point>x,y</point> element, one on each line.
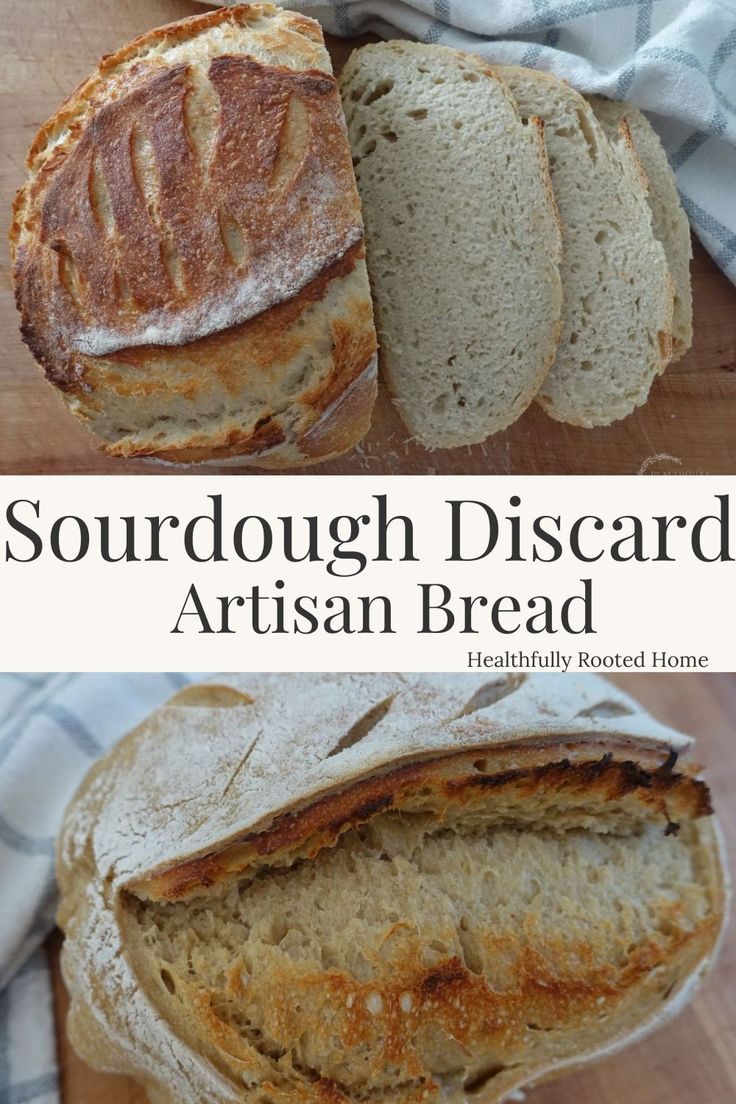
<point>188,248</point>
<point>226,759</point>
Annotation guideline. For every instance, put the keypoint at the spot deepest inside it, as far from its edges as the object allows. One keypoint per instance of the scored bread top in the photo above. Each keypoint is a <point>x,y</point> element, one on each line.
<point>224,760</point>
<point>294,759</point>
<point>199,177</point>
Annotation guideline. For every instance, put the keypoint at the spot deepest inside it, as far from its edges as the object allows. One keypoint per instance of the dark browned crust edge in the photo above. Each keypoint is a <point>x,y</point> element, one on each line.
<point>661,791</point>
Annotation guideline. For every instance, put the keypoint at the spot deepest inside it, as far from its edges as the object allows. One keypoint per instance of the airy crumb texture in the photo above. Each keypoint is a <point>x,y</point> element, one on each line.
<point>323,889</point>
<point>462,236</point>
<point>414,957</point>
<point>617,323</point>
<point>189,248</point>
<point>669,220</point>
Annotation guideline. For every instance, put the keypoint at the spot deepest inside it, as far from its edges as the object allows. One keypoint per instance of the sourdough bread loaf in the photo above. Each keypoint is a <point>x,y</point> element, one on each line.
<point>398,888</point>
<point>669,220</point>
<point>188,247</point>
<point>618,293</point>
<point>462,235</point>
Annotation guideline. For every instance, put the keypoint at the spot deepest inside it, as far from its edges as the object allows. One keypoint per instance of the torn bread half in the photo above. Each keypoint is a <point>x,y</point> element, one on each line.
<point>669,220</point>
<point>462,236</point>
<point>618,293</point>
<point>403,888</point>
<point>188,247</point>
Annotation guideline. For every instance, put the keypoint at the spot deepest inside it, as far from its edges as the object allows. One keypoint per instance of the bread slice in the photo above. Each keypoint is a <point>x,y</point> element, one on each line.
<point>617,326</point>
<point>669,220</point>
<point>462,237</point>
<point>403,888</point>
<point>188,248</point>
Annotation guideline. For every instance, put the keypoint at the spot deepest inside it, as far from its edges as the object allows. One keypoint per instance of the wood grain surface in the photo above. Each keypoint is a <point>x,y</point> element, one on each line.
<point>692,1060</point>
<point>47,47</point>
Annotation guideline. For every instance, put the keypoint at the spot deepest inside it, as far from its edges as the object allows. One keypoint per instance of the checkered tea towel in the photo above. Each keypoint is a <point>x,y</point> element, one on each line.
<point>52,727</point>
<point>675,59</point>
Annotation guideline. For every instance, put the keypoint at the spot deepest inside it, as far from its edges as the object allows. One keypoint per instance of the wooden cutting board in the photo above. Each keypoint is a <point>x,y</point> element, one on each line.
<point>692,1059</point>
<point>46,48</point>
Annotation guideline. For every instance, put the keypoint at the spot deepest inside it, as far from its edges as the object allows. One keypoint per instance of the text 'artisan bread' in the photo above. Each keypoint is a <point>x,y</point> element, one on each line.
<point>402,888</point>
<point>188,247</point>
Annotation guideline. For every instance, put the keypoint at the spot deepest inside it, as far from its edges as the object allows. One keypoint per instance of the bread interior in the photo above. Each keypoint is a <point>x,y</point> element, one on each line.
<point>445,948</point>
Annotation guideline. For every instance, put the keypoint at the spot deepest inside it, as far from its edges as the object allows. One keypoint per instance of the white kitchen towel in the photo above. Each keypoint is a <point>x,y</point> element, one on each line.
<point>676,59</point>
<point>52,727</point>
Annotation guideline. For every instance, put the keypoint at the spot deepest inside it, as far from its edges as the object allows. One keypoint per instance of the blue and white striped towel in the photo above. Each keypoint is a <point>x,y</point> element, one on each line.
<point>676,59</point>
<point>52,727</point>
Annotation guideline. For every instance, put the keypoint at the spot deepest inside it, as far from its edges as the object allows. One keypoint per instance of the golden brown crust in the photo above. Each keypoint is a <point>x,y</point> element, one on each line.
<point>415,998</point>
<point>656,789</point>
<point>278,336</point>
<point>154,252</point>
<point>172,202</point>
<point>221,979</point>
<point>92,89</point>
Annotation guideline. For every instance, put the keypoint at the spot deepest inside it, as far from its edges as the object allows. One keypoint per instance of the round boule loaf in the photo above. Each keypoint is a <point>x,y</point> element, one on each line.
<point>188,247</point>
<point>408,888</point>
